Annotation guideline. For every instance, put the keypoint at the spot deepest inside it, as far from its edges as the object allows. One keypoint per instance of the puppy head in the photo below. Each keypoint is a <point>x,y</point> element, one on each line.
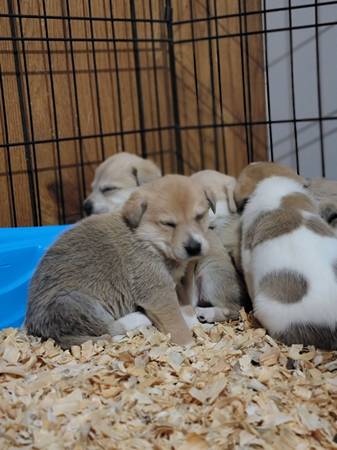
<point>115,180</point>
<point>256,172</point>
<point>172,214</point>
<point>222,186</point>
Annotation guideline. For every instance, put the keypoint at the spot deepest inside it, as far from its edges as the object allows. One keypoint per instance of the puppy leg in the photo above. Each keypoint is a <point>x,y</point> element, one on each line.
<point>189,315</point>
<point>165,313</point>
<point>213,314</point>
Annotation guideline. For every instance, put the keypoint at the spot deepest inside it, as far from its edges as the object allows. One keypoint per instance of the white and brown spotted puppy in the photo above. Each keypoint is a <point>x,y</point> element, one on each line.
<point>218,289</point>
<point>99,274</point>
<point>115,180</point>
<point>289,256</point>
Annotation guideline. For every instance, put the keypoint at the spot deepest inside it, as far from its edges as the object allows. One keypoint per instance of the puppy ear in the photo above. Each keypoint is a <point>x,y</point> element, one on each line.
<point>134,209</point>
<point>145,172</point>
<point>211,199</point>
<point>230,197</point>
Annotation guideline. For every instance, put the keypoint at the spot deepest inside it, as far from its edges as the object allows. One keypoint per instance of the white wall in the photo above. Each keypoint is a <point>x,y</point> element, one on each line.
<point>305,81</point>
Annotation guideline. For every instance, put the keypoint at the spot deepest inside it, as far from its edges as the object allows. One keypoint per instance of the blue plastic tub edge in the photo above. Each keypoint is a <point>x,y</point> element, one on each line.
<point>20,251</point>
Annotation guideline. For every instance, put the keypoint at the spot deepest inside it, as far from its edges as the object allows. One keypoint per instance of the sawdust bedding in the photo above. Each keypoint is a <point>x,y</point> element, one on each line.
<point>234,388</point>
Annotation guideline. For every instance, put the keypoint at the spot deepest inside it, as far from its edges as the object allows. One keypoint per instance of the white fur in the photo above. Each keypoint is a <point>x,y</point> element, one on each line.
<point>212,314</point>
<point>138,320</point>
<point>302,251</point>
<point>268,196</point>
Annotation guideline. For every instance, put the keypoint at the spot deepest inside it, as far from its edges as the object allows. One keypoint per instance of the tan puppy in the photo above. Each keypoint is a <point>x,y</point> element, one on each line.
<point>96,277</point>
<point>218,289</point>
<point>115,180</point>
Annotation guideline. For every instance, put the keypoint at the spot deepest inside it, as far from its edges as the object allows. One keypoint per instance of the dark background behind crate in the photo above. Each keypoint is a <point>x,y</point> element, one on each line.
<point>180,81</point>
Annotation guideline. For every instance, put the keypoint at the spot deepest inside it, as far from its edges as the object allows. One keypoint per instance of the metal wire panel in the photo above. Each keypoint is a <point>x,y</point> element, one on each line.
<point>191,84</point>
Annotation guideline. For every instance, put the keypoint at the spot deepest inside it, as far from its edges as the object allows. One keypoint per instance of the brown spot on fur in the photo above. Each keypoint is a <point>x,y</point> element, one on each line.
<point>299,201</point>
<point>256,172</point>
<point>284,286</point>
<point>318,226</point>
<point>270,225</point>
<point>310,334</point>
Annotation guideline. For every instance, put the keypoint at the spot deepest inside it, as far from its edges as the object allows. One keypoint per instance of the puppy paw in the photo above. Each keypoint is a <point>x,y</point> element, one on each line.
<point>189,315</point>
<point>212,314</point>
<point>134,321</point>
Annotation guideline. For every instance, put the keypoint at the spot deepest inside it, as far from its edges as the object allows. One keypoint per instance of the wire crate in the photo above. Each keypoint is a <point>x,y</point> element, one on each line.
<point>190,84</point>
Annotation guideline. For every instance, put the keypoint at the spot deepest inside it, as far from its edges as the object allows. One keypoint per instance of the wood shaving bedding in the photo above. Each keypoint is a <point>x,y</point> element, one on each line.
<point>234,388</point>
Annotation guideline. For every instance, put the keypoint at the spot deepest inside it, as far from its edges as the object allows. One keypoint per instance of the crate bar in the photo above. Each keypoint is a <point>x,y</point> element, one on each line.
<point>138,78</point>
<point>119,97</point>
<point>24,120</point>
<point>78,119</point>
<point>98,98</point>
<point>293,101</point>
<point>251,13</point>
<point>224,148</point>
<point>60,193</point>
<point>249,99</point>
<point>266,65</point>
<point>243,77</point>
<point>8,155</point>
<point>210,57</point>
<point>176,115</point>
<point>156,90</point>
<point>319,94</point>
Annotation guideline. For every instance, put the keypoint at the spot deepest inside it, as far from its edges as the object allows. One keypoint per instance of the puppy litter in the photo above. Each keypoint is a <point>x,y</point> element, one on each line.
<point>234,388</point>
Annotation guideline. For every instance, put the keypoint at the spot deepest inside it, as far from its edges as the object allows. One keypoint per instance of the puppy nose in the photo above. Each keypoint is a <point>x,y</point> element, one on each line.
<point>193,247</point>
<point>88,207</point>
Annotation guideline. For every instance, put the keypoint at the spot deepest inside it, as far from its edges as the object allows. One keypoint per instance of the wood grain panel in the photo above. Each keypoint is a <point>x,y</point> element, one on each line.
<point>70,104</point>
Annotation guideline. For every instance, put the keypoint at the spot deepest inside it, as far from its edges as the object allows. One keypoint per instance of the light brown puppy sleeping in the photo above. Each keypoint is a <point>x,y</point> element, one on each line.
<point>96,277</point>
<point>115,180</point>
<point>218,289</point>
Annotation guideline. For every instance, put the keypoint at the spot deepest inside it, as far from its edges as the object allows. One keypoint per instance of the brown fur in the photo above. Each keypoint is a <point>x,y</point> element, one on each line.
<point>109,265</point>
<point>300,202</point>
<point>284,286</point>
<point>318,226</point>
<point>256,172</point>
<point>271,225</point>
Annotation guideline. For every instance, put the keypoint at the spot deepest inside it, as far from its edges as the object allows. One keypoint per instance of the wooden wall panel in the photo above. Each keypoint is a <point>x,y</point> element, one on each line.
<point>88,98</point>
<point>214,81</point>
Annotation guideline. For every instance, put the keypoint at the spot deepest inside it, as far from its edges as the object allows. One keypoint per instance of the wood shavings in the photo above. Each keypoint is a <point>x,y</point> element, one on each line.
<point>234,388</point>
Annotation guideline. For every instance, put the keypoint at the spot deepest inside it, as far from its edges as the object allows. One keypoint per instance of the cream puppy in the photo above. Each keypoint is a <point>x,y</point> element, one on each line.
<point>115,179</point>
<point>218,289</point>
<point>289,256</point>
<point>97,277</point>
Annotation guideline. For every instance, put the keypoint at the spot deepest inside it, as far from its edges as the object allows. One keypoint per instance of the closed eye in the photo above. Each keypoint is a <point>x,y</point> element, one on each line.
<point>106,189</point>
<point>200,216</point>
<point>168,223</point>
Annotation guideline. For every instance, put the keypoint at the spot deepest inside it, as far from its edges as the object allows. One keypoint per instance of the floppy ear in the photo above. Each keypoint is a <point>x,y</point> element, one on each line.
<point>134,209</point>
<point>211,199</point>
<point>146,172</point>
<point>230,197</point>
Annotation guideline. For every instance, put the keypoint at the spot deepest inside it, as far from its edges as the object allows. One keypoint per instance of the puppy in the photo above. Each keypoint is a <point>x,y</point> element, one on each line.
<point>98,275</point>
<point>289,256</point>
<point>325,192</point>
<point>115,180</point>
<point>218,288</point>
